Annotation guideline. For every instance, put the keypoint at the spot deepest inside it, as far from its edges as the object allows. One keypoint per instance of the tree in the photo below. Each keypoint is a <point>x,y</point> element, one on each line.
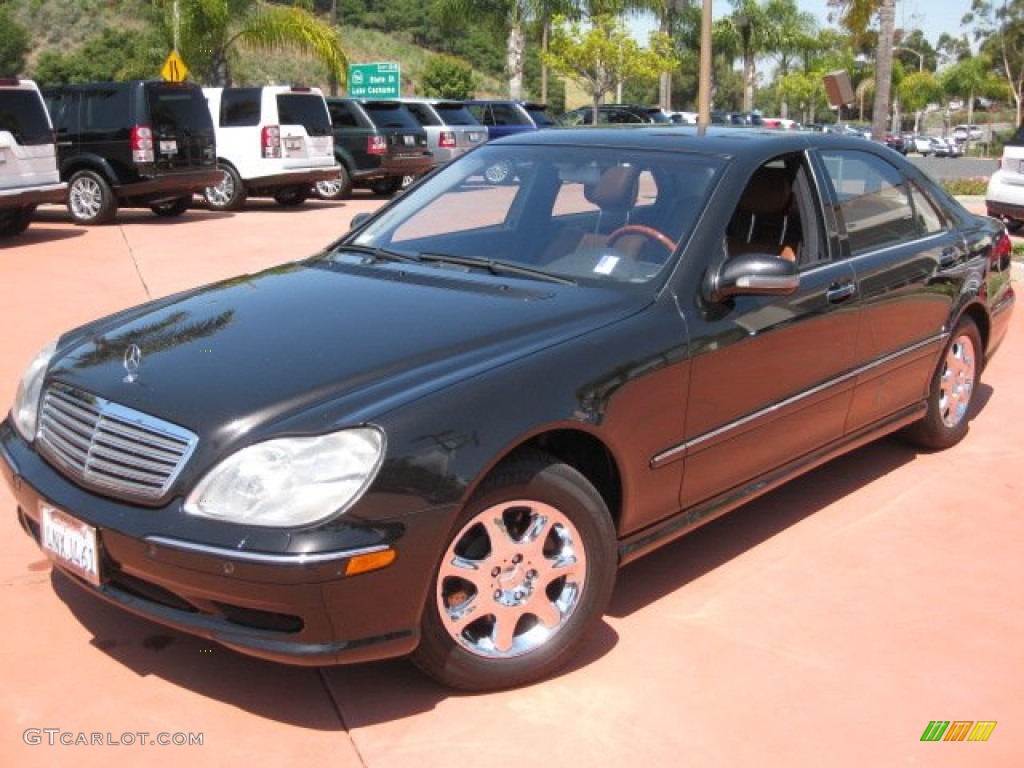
<point>756,32</point>
<point>14,44</point>
<point>107,56</point>
<point>916,91</point>
<point>855,15</point>
<point>211,31</point>
<point>446,77</point>
<point>971,78</point>
<point>601,56</point>
<point>805,90</point>
<point>1000,31</point>
<point>796,34</point>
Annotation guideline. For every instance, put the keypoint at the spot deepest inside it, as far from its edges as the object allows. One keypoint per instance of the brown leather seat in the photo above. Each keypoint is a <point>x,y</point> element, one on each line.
<point>762,220</point>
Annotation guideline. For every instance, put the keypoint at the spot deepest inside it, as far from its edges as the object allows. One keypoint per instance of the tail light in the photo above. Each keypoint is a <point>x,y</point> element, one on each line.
<point>1002,252</point>
<point>447,139</point>
<point>142,144</point>
<point>270,141</point>
<point>377,145</point>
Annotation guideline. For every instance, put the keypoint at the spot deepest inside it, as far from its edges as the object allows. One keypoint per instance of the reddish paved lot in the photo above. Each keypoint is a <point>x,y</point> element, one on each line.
<point>824,624</point>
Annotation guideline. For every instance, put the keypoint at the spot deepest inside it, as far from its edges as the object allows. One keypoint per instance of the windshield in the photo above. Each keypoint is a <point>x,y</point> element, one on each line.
<point>585,213</point>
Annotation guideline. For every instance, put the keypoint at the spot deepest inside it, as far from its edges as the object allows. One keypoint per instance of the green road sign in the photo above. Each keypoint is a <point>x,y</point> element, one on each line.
<point>380,80</point>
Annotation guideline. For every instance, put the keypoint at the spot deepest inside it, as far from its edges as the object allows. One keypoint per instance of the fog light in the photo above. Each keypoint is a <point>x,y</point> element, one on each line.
<point>370,562</point>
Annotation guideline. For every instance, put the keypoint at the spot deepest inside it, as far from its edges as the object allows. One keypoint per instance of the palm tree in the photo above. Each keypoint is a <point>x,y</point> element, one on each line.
<point>855,16</point>
<point>757,32</point>
<point>667,12</point>
<point>210,32</point>
<point>797,34</point>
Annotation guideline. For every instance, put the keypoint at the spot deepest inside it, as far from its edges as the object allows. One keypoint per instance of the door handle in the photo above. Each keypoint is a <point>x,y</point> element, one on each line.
<point>840,292</point>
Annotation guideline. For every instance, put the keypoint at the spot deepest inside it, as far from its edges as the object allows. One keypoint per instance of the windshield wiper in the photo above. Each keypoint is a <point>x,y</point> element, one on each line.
<point>382,254</point>
<point>496,267</point>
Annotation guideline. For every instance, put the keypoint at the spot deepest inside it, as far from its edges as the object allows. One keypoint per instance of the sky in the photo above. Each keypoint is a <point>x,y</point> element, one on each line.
<point>933,17</point>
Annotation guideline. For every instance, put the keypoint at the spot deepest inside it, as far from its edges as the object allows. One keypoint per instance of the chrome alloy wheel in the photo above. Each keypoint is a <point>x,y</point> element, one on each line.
<point>511,579</point>
<point>329,188</point>
<point>224,192</point>
<point>85,198</point>
<point>957,382</point>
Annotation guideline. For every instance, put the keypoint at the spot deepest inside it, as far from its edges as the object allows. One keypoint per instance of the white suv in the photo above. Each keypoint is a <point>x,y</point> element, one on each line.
<point>28,156</point>
<point>1004,197</point>
<point>272,141</point>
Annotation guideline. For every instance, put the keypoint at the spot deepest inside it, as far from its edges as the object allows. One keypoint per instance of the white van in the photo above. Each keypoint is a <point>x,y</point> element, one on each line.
<point>273,141</point>
<point>28,156</point>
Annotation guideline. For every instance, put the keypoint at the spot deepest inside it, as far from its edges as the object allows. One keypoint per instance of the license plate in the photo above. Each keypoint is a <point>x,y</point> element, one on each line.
<point>292,143</point>
<point>410,141</point>
<point>169,147</point>
<point>474,137</point>
<point>70,542</point>
<point>1020,166</point>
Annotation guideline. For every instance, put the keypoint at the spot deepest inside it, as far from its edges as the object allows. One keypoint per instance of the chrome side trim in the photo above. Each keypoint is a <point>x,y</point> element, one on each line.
<point>264,558</point>
<point>668,455</point>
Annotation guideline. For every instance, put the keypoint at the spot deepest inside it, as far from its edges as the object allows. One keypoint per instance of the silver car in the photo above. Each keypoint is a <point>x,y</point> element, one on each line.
<point>451,128</point>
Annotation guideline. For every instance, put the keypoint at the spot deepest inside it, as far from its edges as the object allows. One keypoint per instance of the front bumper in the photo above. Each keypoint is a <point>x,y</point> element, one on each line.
<point>297,608</point>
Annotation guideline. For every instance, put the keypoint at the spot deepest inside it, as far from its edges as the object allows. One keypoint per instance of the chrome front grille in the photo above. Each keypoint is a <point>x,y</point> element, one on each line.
<point>111,447</point>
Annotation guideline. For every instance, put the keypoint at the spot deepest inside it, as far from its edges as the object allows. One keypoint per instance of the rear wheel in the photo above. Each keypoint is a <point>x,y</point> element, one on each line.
<point>229,194</point>
<point>90,199</point>
<point>15,222</point>
<point>525,577</point>
<point>388,186</point>
<point>335,189</point>
<point>291,196</point>
<point>172,208</point>
<point>952,391</point>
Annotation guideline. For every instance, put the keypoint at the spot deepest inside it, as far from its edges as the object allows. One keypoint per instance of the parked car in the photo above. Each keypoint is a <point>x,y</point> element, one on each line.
<point>134,143</point>
<point>1004,196</point>
<point>615,114</point>
<point>943,147</point>
<point>895,141</point>
<point>444,433</point>
<point>922,145</point>
<point>504,117</point>
<point>450,126</point>
<point>964,133</point>
<point>28,156</point>
<point>378,143</point>
<point>272,141</point>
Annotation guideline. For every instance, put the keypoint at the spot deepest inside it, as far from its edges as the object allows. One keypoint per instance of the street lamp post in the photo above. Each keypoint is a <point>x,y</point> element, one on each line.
<point>920,68</point>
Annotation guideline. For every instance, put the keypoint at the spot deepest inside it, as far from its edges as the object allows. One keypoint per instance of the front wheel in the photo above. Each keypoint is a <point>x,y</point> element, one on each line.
<point>229,194</point>
<point>951,395</point>
<point>335,189</point>
<point>172,208</point>
<point>523,580</point>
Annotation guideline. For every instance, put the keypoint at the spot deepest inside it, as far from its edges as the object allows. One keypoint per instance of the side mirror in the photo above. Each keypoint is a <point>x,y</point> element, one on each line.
<point>754,274</point>
<point>359,219</point>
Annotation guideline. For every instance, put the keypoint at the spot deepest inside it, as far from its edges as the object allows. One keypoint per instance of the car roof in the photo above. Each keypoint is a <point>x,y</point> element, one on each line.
<point>720,140</point>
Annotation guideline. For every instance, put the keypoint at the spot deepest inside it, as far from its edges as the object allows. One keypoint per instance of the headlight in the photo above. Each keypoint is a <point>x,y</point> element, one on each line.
<point>290,481</point>
<point>25,411</point>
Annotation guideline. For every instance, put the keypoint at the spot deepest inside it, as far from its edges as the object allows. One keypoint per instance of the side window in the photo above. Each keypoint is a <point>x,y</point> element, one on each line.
<point>874,200</point>
<point>503,114</point>
<point>106,109</point>
<point>419,112</point>
<point>927,215</point>
<point>239,107</point>
<point>342,115</point>
<point>481,113</point>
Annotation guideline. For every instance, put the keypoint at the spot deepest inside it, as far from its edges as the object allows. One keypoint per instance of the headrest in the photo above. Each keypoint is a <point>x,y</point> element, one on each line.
<point>768,192</point>
<point>617,189</point>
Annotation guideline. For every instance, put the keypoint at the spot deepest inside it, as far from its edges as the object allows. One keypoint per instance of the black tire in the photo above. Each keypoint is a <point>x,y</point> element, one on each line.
<point>291,197</point>
<point>551,596</point>
<point>172,208</point>
<point>90,199</point>
<point>16,221</point>
<point>951,396</point>
<point>387,187</point>
<point>335,189</point>
<point>229,194</point>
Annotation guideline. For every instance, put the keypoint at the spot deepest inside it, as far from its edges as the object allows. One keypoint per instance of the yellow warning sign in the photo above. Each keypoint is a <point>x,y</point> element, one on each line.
<point>174,68</point>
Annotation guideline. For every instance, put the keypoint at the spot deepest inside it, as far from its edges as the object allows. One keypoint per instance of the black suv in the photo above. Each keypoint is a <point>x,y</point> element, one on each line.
<point>377,143</point>
<point>616,114</point>
<point>147,143</point>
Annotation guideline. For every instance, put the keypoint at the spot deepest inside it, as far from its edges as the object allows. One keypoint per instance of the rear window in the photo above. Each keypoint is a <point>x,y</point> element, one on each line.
<point>179,110</point>
<point>390,114</point>
<point>455,114</point>
<point>305,109</point>
<point>22,114</point>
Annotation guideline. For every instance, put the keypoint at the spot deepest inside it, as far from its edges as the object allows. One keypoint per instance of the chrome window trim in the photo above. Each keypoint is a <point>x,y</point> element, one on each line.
<point>671,453</point>
<point>265,558</point>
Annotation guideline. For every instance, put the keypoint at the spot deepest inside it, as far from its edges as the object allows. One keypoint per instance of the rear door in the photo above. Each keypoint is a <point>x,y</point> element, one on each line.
<point>27,150</point>
<point>183,134</point>
<point>306,136</point>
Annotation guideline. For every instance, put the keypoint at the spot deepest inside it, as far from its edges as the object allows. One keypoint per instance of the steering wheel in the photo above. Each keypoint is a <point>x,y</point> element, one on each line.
<point>639,229</point>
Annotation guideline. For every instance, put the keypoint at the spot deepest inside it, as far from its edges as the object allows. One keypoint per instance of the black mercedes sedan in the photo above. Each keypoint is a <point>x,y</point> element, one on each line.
<point>441,436</point>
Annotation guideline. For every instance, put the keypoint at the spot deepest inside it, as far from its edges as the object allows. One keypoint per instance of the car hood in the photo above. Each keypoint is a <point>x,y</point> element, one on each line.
<point>323,342</point>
